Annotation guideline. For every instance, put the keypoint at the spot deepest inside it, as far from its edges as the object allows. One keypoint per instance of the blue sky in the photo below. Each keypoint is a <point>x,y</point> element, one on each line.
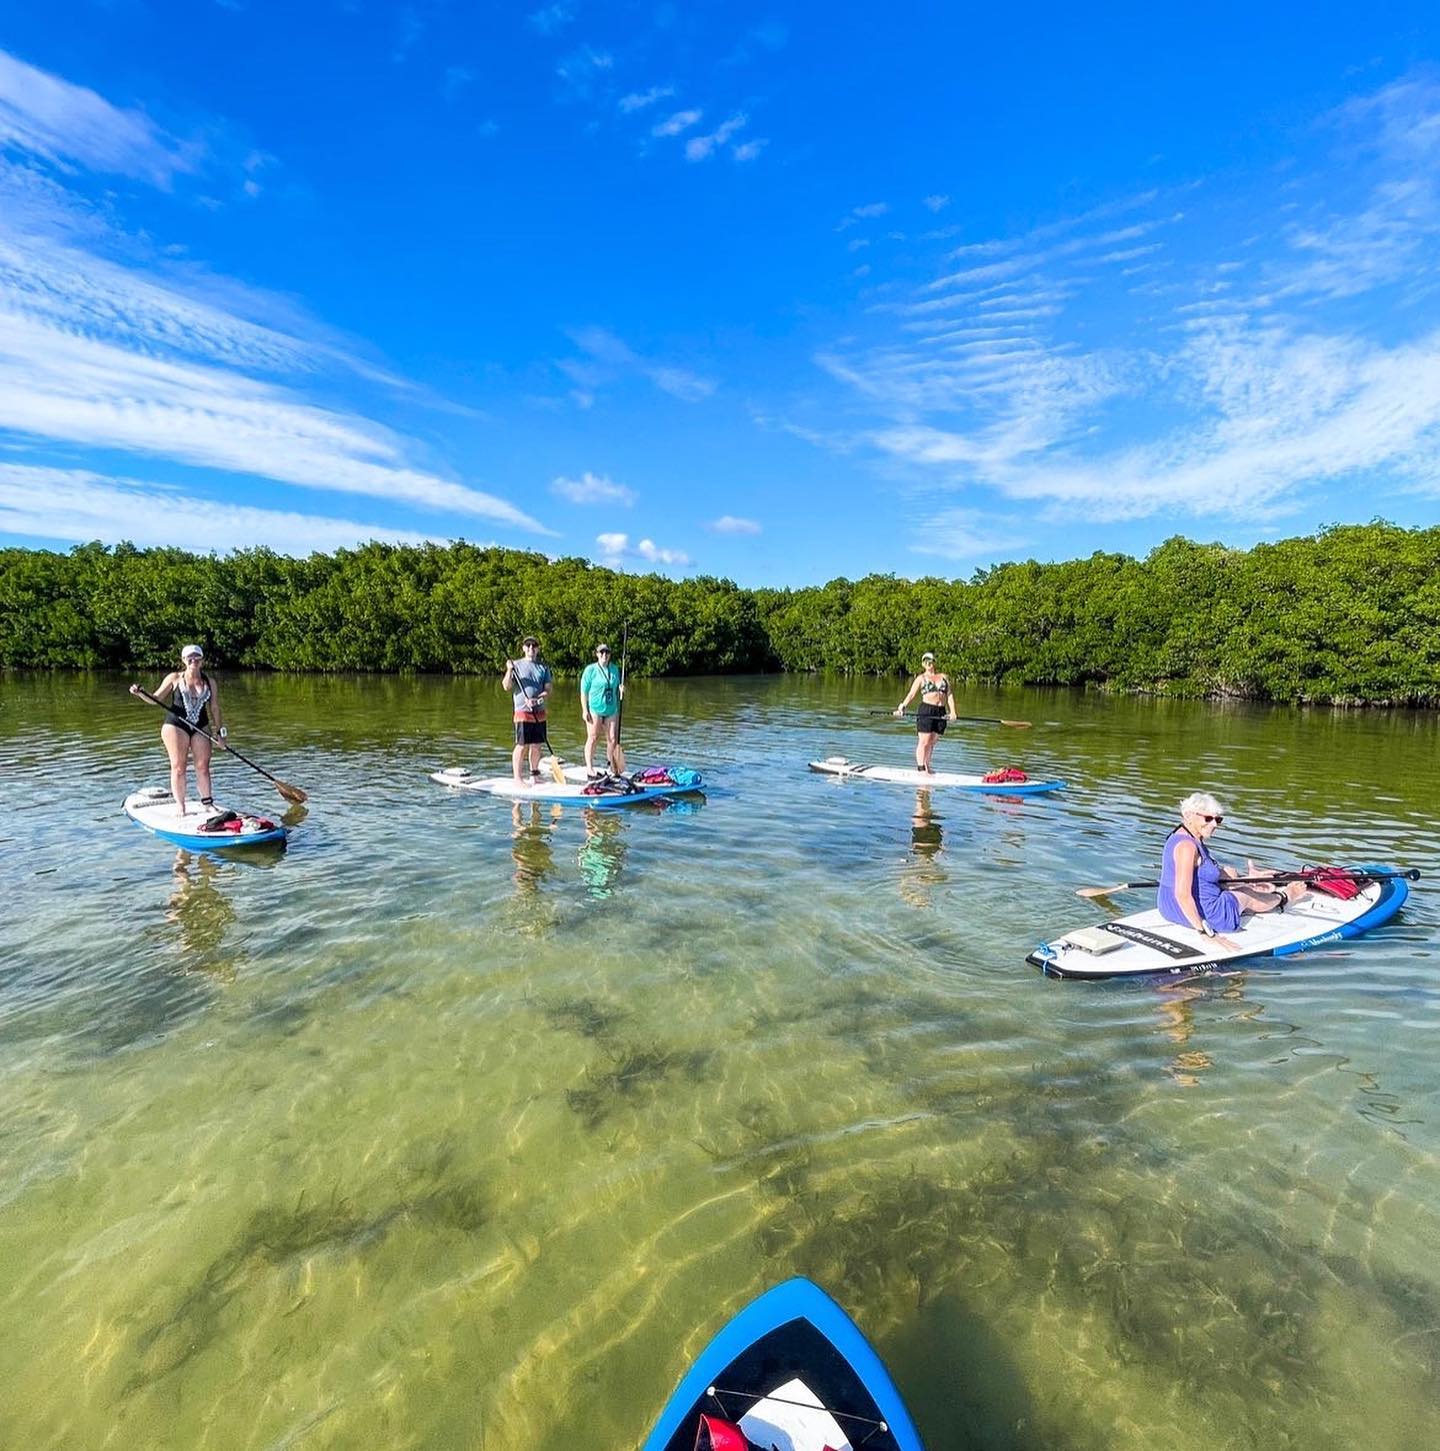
<point>778,293</point>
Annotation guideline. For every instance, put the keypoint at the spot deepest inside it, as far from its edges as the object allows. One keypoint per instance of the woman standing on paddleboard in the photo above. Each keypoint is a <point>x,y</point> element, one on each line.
<point>1191,892</point>
<point>937,710</point>
<point>193,708</point>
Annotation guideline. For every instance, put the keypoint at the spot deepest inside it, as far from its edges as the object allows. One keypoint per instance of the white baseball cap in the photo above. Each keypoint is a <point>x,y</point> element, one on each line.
<point>186,651</point>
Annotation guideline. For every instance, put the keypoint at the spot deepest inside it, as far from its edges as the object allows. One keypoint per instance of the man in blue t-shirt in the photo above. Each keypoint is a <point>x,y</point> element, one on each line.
<point>529,682</point>
<point>600,694</point>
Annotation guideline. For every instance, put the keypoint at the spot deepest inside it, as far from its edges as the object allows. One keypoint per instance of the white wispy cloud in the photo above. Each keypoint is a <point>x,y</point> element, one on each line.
<point>609,356</point>
<point>1394,137</point>
<point>69,125</point>
<point>639,100</point>
<point>749,150</point>
<point>969,534</point>
<point>935,203</point>
<point>697,148</point>
<point>732,524</point>
<point>73,389</point>
<point>550,18</point>
<point>76,505</point>
<point>617,550</point>
<point>674,125</point>
<point>593,489</point>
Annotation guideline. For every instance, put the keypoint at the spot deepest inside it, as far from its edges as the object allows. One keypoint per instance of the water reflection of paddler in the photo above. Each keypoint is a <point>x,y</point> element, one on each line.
<point>602,853</point>
<point>923,870</point>
<point>197,906</point>
<point>1177,1022</point>
<point>530,844</point>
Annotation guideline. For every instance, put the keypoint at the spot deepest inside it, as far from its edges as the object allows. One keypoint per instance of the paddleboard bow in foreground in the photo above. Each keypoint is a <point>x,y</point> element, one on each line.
<point>1145,944</point>
<point>791,1370</point>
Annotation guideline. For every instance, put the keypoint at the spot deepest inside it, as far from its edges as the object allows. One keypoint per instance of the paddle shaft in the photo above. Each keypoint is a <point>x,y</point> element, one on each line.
<point>1023,725</point>
<point>289,792</point>
<point>620,704</point>
<point>1280,878</point>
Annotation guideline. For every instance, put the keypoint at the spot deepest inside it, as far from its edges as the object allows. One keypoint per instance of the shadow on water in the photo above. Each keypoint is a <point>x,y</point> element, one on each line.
<point>284,1238</point>
<point>1199,1295</point>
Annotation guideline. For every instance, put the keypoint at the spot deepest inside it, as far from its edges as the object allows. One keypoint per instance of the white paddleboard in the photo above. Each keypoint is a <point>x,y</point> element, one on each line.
<point>1145,943</point>
<point>546,789</point>
<point>153,807</point>
<point>901,776</point>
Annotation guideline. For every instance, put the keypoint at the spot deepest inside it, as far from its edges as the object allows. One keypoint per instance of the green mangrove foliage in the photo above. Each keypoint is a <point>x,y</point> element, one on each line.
<point>1351,613</point>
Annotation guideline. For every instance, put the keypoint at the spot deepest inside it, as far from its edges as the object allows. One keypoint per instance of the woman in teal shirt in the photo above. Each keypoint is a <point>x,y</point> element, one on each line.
<point>600,693</point>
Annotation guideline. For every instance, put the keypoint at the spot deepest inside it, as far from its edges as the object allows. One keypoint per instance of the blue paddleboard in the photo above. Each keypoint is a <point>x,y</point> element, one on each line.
<point>793,1371</point>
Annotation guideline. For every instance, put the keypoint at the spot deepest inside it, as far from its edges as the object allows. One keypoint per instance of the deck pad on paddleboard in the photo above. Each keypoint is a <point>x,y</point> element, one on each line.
<point>1149,944</point>
<point>572,793</point>
<point>792,1371</point>
<point>848,770</point>
<point>154,808</point>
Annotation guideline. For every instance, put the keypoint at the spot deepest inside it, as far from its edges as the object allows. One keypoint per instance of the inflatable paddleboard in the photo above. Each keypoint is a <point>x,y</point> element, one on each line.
<point>154,809</point>
<point>1145,943</point>
<point>792,1371</point>
<point>899,776</point>
<point>572,793</point>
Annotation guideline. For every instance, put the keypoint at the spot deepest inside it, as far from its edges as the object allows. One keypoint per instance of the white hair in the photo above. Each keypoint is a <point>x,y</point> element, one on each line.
<point>1201,803</point>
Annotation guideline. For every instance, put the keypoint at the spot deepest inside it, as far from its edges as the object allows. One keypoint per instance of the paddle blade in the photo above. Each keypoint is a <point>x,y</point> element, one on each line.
<point>293,794</point>
<point>1019,725</point>
<point>1110,890</point>
<point>556,770</point>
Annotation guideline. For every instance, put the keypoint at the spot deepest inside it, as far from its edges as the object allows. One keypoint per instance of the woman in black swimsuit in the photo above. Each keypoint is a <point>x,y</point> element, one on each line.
<point>937,710</point>
<point>193,705</point>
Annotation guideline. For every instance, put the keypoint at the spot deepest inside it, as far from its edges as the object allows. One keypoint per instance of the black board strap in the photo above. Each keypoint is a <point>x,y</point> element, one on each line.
<point>1176,951</point>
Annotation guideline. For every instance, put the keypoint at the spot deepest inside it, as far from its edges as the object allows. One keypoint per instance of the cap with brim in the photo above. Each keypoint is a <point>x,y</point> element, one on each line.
<point>188,650</point>
<point>928,655</point>
<point>601,647</point>
<point>529,640</point>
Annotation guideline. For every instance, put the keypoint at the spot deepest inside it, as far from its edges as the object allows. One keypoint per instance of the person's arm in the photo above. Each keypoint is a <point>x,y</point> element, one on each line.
<point>1185,858</point>
<point>585,694</point>
<point>914,686</point>
<point>509,679</point>
<point>546,685</point>
<point>163,691</point>
<point>950,697</point>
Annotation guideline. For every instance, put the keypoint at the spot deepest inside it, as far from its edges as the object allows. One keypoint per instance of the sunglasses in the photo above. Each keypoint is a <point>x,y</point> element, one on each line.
<point>602,652</point>
<point>1218,820</point>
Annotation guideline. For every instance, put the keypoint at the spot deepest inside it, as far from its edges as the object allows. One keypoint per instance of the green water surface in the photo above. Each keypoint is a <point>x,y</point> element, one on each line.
<point>464,1125</point>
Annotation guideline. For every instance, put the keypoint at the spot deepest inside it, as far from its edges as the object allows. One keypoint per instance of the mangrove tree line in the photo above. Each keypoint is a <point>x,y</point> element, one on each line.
<point>1351,613</point>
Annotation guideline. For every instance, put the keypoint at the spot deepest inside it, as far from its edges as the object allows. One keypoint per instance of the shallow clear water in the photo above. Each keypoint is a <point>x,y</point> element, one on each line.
<point>458,1125</point>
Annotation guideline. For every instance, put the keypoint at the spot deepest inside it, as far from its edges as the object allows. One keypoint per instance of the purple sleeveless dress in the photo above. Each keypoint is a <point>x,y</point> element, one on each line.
<point>1217,907</point>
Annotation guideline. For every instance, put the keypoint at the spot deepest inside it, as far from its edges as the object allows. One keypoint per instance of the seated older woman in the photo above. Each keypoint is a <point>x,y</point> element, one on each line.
<point>1192,891</point>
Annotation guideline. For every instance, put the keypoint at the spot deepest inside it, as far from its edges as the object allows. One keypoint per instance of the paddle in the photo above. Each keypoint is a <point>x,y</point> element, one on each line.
<point>1411,875</point>
<point>1021,725</point>
<point>289,792</point>
<point>620,704</point>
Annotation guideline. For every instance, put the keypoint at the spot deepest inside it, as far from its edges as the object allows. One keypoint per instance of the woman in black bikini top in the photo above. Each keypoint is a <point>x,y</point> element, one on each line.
<point>936,711</point>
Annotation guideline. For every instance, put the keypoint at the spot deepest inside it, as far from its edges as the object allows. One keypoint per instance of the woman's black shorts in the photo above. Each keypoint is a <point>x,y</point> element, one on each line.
<point>930,720</point>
